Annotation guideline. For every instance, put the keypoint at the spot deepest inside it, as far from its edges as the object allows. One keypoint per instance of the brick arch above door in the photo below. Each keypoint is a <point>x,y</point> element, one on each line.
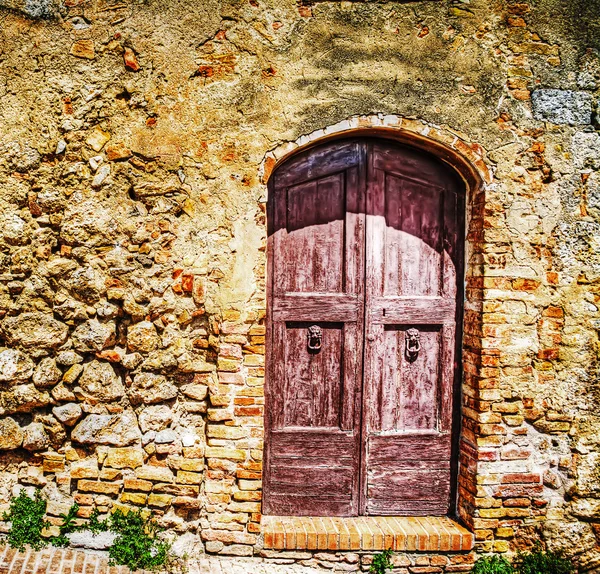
<point>468,160</point>
<point>466,157</point>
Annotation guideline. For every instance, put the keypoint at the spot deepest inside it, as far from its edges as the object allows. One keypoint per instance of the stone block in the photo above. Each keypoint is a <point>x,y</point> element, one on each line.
<point>15,366</point>
<point>137,498</point>
<point>110,474</point>
<point>117,430</point>
<point>99,383</point>
<point>137,484</point>
<point>87,539</point>
<point>188,464</point>
<point>159,500</point>
<point>150,388</point>
<point>155,473</point>
<point>228,453</point>
<point>185,477</point>
<point>226,432</point>
<point>34,329</point>
<point>247,495</point>
<point>128,457</point>
<point>86,468</point>
<point>562,106</point>
<point>98,487</point>
<point>249,484</point>
<point>11,435</point>
<point>177,489</point>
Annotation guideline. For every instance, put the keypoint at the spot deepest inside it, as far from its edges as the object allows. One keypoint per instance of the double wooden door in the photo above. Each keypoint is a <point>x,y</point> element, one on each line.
<point>364,307</point>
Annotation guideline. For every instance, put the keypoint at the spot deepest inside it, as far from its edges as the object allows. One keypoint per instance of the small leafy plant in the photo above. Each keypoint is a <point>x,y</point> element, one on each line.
<point>68,525</point>
<point>26,516</point>
<point>136,545</point>
<point>538,561</point>
<point>381,562</point>
<point>493,565</point>
<point>96,526</point>
<point>542,562</point>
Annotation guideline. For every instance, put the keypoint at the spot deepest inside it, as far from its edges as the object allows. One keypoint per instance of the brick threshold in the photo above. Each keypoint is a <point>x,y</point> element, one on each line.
<point>399,533</point>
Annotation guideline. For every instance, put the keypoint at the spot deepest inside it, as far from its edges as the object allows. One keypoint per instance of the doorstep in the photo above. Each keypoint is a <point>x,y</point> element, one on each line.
<point>400,533</point>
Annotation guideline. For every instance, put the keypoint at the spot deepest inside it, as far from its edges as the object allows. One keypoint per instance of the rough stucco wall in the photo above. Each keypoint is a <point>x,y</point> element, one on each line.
<point>134,289</point>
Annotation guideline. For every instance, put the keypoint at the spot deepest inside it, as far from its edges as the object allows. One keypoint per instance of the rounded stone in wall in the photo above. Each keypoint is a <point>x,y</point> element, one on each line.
<point>150,388</point>
<point>155,418</point>
<point>93,336</point>
<point>67,414</point>
<point>115,430</point>
<point>35,329</point>
<point>99,383</point>
<point>11,435</point>
<point>142,337</point>
<point>14,366</point>
<point>46,373</point>
<point>35,437</point>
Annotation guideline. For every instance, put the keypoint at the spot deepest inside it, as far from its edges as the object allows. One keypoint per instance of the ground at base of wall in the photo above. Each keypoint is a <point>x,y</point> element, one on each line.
<point>66,561</point>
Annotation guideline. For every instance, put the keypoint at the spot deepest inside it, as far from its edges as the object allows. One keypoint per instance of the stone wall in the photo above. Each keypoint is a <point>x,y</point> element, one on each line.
<point>133,136</point>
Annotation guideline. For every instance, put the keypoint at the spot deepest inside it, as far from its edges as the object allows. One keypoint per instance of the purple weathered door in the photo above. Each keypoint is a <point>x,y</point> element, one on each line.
<point>413,273</point>
<point>315,333</point>
<point>365,272</point>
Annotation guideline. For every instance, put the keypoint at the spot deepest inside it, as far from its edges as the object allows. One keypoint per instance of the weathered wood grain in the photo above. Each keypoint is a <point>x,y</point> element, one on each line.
<point>365,242</point>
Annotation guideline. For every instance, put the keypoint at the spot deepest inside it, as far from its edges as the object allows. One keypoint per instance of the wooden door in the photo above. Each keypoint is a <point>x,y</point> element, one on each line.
<point>315,333</point>
<point>365,262</point>
<point>413,273</point>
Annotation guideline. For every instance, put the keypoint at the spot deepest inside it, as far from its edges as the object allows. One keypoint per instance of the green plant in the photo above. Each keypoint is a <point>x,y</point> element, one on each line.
<point>492,565</point>
<point>26,516</point>
<point>94,525</point>
<point>136,545</point>
<point>381,562</point>
<point>68,525</point>
<point>540,561</point>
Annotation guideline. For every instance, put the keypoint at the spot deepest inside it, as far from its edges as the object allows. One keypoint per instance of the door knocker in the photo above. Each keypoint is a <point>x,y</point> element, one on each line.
<point>413,344</point>
<point>315,337</point>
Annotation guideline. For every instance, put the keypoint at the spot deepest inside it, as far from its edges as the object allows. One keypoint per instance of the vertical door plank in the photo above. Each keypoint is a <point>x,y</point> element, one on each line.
<point>312,425</point>
<point>412,244</point>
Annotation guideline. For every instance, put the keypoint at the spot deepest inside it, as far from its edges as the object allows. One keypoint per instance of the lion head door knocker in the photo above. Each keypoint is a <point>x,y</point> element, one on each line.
<point>412,344</point>
<point>315,338</point>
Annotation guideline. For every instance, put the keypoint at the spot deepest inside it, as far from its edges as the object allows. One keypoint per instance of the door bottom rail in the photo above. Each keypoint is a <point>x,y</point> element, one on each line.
<point>366,533</point>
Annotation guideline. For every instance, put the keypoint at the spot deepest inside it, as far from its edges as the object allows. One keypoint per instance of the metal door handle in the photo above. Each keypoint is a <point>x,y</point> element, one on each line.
<point>315,338</point>
<point>412,344</point>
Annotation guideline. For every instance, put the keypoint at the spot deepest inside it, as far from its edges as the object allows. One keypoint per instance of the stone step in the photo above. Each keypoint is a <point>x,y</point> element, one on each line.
<point>399,533</point>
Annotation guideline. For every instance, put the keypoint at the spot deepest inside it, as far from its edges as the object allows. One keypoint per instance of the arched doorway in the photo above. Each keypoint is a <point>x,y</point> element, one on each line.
<point>365,294</point>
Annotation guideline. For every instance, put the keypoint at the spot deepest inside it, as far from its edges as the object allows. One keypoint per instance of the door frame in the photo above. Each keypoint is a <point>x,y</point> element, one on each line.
<point>468,161</point>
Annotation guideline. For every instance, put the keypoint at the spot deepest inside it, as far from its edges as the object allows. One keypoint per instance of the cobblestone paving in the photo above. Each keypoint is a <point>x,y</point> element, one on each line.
<point>58,561</point>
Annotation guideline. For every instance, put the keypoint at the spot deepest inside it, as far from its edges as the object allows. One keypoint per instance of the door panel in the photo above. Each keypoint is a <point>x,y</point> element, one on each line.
<point>312,381</point>
<point>410,389</point>
<point>365,246</point>
<point>411,315</point>
<point>316,241</point>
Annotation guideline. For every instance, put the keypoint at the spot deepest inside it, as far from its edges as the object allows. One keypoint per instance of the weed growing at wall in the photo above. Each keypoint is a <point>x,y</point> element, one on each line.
<point>540,561</point>
<point>381,562</point>
<point>537,562</point>
<point>26,516</point>
<point>95,525</point>
<point>493,565</point>
<point>135,546</point>
<point>68,525</point>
